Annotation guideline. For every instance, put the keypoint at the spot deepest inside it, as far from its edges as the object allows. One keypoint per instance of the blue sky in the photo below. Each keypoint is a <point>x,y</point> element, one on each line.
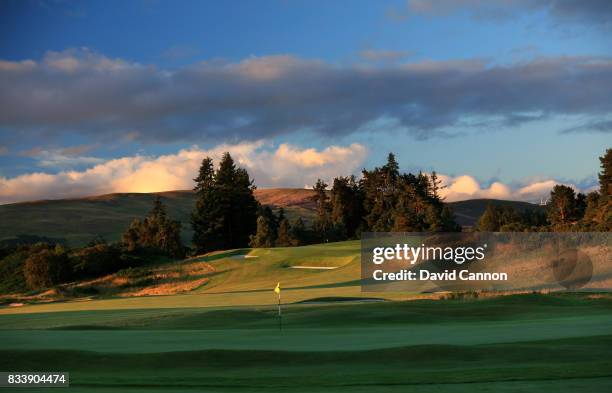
<point>509,91</point>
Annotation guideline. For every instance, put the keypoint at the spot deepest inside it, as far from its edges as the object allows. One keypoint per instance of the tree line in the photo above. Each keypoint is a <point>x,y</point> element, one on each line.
<point>227,215</point>
<point>565,209</point>
<point>383,200</point>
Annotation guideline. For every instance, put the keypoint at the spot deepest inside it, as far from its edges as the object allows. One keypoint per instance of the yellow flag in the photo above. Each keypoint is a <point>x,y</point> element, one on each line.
<point>277,289</point>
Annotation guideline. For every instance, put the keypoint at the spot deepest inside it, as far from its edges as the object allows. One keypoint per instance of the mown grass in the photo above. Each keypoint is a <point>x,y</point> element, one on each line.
<point>513,307</point>
<point>514,343</point>
<point>238,281</point>
<point>224,336</point>
<point>250,370</point>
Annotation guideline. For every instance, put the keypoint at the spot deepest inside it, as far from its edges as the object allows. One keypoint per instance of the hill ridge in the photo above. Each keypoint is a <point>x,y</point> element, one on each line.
<point>79,220</point>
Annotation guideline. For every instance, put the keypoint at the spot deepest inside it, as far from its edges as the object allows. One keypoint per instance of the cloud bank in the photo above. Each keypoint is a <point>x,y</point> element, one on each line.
<point>83,93</point>
<point>287,166</point>
<point>284,166</point>
<point>467,187</point>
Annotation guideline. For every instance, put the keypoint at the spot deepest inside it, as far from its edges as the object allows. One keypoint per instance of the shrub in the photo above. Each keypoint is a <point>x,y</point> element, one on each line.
<point>11,272</point>
<point>97,260</point>
<point>134,272</point>
<point>46,268</point>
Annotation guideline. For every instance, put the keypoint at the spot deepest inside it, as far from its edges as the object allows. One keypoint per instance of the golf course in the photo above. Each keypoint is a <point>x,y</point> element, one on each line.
<point>216,329</point>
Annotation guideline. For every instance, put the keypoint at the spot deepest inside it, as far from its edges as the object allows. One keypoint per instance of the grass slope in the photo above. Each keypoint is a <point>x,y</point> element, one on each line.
<point>229,279</point>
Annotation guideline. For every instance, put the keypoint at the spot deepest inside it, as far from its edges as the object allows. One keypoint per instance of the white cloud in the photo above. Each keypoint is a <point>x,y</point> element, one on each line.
<point>287,165</point>
<point>466,187</point>
<point>283,166</point>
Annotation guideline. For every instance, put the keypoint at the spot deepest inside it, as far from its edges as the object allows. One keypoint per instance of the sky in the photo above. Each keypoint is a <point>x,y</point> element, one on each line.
<point>503,98</point>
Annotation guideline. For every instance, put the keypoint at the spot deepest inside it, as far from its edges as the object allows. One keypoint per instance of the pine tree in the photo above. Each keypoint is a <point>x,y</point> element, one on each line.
<point>207,217</point>
<point>436,185</point>
<point>299,234</point>
<point>490,219</point>
<point>284,238</point>
<point>225,215</point>
<point>562,207</point>
<point>206,176</point>
<point>405,218</point>
<point>346,206</point>
<point>390,173</point>
<point>448,220</point>
<point>271,218</point>
<point>323,222</point>
<point>264,236</point>
<point>598,210</point>
<point>605,176</point>
<point>155,231</point>
<point>403,201</point>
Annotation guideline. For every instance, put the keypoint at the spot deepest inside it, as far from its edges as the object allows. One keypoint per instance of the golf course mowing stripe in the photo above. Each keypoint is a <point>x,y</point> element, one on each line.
<point>312,339</point>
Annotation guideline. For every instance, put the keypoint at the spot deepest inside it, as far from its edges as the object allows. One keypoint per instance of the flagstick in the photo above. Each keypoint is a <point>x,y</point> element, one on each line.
<point>280,317</point>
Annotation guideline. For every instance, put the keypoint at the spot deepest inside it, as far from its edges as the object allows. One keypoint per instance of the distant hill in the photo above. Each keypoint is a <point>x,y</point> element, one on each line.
<point>468,212</point>
<point>78,221</point>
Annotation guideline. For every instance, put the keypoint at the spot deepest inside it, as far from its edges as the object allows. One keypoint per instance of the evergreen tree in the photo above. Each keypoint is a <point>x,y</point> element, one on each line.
<point>155,231</point>
<point>323,224</point>
<point>380,195</point>
<point>207,219</point>
<point>264,237</point>
<point>448,220</point>
<point>433,222</point>
<point>605,176</point>
<point>598,210</point>
<point>206,176</point>
<point>346,206</point>
<point>562,209</point>
<point>299,234</point>
<point>405,218</point>
<point>507,219</point>
<point>284,238</point>
<point>403,202</point>
<point>225,215</point>
<point>490,221</point>
<point>436,185</point>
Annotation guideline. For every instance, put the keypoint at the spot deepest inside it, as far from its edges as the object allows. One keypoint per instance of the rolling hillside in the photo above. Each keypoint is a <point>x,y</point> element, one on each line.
<point>78,221</point>
<point>468,212</point>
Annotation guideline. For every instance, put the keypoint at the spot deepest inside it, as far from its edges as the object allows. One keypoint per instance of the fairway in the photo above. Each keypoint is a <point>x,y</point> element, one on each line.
<point>514,343</point>
<point>223,336</point>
